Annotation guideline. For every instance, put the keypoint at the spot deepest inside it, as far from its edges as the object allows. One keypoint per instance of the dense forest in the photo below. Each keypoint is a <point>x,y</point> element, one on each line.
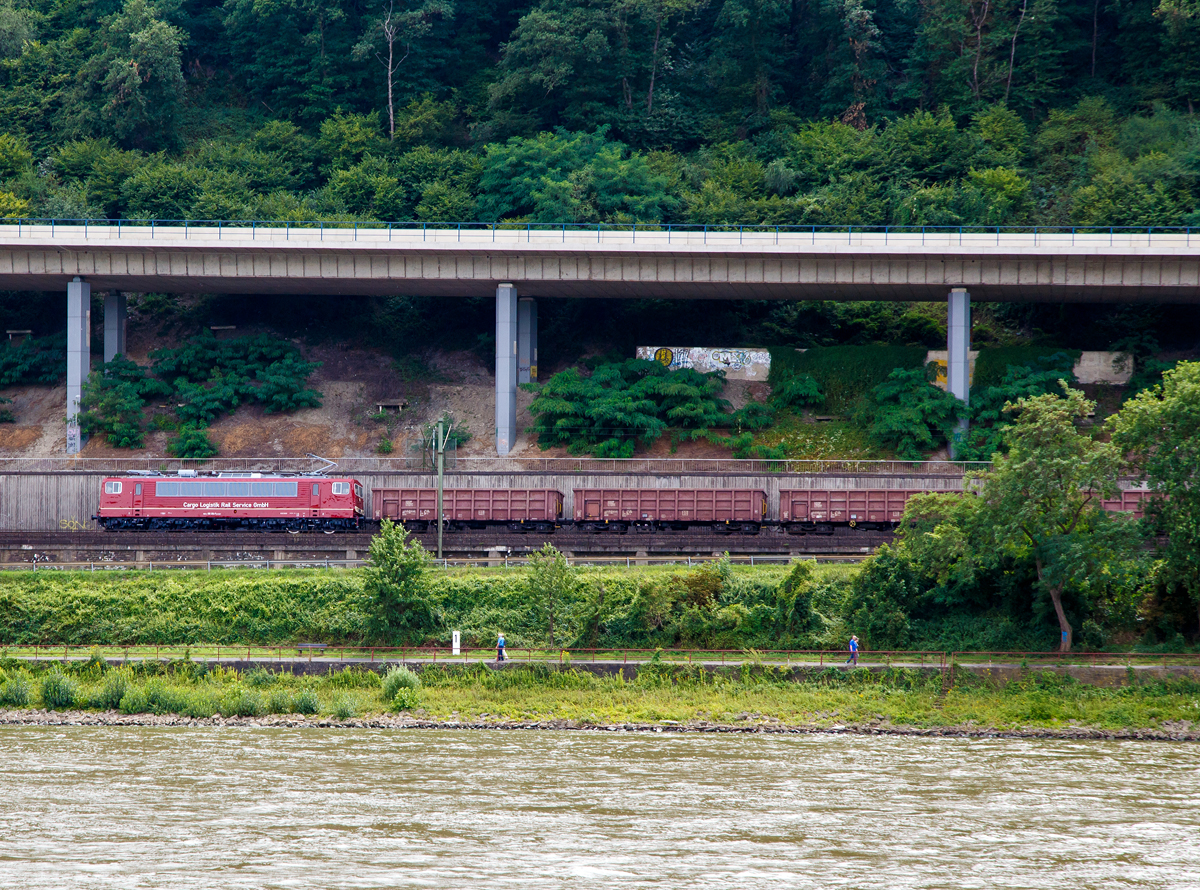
<point>805,112</point>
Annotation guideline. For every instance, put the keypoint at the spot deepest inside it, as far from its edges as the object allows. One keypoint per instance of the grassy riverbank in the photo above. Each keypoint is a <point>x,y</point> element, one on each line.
<point>660,695</point>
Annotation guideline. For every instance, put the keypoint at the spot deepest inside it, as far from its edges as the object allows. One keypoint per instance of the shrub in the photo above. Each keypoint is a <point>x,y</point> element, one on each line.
<point>280,702</point>
<point>192,442</point>
<point>345,707</point>
<point>306,702</point>
<point>14,693</point>
<point>134,702</point>
<point>58,690</point>
<point>243,703</point>
<point>909,415</point>
<point>396,578</point>
<point>116,684</point>
<point>397,680</point>
<point>406,700</point>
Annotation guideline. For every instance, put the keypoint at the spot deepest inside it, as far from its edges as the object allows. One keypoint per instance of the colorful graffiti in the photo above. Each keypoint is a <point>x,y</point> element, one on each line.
<point>738,364</point>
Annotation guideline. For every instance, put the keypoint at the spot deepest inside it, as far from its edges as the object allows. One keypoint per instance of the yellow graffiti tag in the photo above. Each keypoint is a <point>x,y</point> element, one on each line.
<point>74,525</point>
<point>664,356</point>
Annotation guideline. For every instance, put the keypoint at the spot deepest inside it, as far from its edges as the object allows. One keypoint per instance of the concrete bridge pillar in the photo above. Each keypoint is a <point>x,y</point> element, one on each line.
<point>115,321</point>
<point>958,359</point>
<point>527,340</point>
<point>506,368</point>
<point>79,355</point>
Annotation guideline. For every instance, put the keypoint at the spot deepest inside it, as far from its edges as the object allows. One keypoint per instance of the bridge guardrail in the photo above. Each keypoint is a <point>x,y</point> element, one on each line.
<point>546,233</point>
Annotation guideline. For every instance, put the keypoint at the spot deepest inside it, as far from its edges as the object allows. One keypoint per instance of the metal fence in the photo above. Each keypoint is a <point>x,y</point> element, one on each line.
<point>500,560</point>
<point>496,465</point>
<point>351,654</point>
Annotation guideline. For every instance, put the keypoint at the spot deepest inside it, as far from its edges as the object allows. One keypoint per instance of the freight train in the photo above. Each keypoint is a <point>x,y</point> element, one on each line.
<point>264,502</point>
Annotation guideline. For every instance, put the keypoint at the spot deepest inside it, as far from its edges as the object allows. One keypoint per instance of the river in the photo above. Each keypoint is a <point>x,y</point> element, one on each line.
<point>143,807</point>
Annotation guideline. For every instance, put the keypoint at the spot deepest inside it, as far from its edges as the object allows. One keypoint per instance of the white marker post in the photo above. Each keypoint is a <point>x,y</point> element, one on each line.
<point>455,641</point>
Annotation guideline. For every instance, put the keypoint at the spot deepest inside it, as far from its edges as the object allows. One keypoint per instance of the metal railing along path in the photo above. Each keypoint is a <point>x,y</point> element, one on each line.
<point>480,562</point>
<point>500,465</point>
<point>643,236</point>
<point>351,653</point>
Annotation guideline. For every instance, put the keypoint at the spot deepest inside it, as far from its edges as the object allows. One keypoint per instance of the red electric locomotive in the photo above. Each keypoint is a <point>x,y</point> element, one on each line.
<point>252,501</point>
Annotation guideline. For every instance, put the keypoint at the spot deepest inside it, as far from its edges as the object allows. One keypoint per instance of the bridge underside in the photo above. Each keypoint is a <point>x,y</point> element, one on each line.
<point>346,271</point>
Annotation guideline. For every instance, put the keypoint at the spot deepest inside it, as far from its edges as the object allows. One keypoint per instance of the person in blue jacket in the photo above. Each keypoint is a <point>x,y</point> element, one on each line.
<point>500,647</point>
<point>853,651</point>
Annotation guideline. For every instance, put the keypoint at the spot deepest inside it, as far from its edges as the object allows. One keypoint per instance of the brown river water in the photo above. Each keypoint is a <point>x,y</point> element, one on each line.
<point>148,807</point>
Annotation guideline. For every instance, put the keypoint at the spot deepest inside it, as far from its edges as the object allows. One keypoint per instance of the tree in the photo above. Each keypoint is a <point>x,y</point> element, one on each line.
<point>552,585</point>
<point>1160,431</point>
<point>396,580</point>
<point>1041,501</point>
<point>401,28</point>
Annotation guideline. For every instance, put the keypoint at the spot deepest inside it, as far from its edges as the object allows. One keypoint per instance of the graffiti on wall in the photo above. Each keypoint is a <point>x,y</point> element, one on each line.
<point>738,364</point>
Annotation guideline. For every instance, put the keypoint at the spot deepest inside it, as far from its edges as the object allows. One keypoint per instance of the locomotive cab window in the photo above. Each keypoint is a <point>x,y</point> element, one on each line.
<point>341,488</point>
<point>358,491</point>
<point>112,487</point>
<point>137,489</point>
<point>316,489</point>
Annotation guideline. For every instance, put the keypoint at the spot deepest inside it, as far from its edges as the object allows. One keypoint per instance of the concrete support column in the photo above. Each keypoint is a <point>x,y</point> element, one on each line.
<point>958,359</point>
<point>526,340</point>
<point>115,320</point>
<point>506,368</point>
<point>79,355</point>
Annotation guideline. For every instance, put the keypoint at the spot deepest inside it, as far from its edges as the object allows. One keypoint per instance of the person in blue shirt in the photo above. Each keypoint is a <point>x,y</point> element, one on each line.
<point>853,651</point>
<point>500,647</point>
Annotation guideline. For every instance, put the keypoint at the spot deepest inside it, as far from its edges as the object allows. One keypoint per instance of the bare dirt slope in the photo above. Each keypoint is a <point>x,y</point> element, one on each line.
<point>353,382</point>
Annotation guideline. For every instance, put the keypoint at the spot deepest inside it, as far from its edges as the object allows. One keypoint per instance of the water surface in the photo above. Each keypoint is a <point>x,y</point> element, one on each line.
<point>148,807</point>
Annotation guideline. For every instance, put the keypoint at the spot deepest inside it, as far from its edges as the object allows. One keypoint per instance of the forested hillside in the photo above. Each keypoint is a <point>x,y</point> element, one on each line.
<point>921,112</point>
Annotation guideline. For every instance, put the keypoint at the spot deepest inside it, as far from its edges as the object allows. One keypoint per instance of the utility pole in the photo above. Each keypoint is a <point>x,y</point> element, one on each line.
<point>439,444</point>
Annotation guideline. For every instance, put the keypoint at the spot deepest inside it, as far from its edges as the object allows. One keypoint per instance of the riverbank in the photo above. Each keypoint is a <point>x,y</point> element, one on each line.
<point>661,698</point>
<point>1183,731</point>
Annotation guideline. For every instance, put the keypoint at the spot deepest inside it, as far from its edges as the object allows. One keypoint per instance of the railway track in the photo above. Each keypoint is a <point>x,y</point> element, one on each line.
<point>197,547</point>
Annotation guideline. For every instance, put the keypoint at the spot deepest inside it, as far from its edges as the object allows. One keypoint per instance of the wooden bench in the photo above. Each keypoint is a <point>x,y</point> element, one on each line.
<point>398,406</point>
<point>319,648</point>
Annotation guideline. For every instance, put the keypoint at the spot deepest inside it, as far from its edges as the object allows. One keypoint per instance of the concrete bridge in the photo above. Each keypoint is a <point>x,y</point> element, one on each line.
<point>519,264</point>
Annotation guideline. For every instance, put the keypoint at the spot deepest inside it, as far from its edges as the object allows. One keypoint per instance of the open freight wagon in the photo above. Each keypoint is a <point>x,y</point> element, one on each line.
<point>480,508</point>
<point>722,509</point>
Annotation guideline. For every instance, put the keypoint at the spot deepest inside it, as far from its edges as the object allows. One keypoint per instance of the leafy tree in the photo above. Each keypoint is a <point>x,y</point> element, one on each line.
<point>882,595</point>
<point>1160,431</point>
<point>113,401</point>
<point>552,586</point>
<point>1041,501</point>
<point>989,414</point>
<point>15,158</point>
<point>396,581</point>
<point>910,415</point>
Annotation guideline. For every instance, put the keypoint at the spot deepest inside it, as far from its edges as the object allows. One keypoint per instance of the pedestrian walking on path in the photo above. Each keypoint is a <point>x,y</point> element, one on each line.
<point>853,651</point>
<point>500,647</point>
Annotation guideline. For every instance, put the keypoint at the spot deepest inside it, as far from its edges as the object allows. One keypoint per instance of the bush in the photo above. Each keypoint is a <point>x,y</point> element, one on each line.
<point>280,702</point>
<point>134,702</point>
<point>345,707</point>
<point>844,373</point>
<point>306,702</point>
<point>398,680</point>
<point>15,692</point>
<point>116,685</point>
<point>406,700</point>
<point>58,691</point>
<point>243,703</point>
<point>909,415</point>
<point>192,442</point>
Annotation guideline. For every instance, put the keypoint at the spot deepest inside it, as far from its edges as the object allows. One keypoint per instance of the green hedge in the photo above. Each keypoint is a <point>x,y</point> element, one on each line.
<point>844,373</point>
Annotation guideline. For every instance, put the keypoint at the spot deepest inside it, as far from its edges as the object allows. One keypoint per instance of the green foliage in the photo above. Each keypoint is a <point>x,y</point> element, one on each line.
<point>632,402</point>
<point>396,579</point>
<point>116,685</point>
<point>844,373</point>
<point>204,378</point>
<point>909,415</point>
<point>994,364</point>
<point>345,707</point>
<point>552,585</point>
<point>58,691</point>
<point>400,682</point>
<point>38,360</point>
<point>989,413</point>
<point>15,691</point>
<point>192,442</point>
<point>792,390</point>
<point>882,596</point>
<point>306,702</point>
<point>1159,430</point>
